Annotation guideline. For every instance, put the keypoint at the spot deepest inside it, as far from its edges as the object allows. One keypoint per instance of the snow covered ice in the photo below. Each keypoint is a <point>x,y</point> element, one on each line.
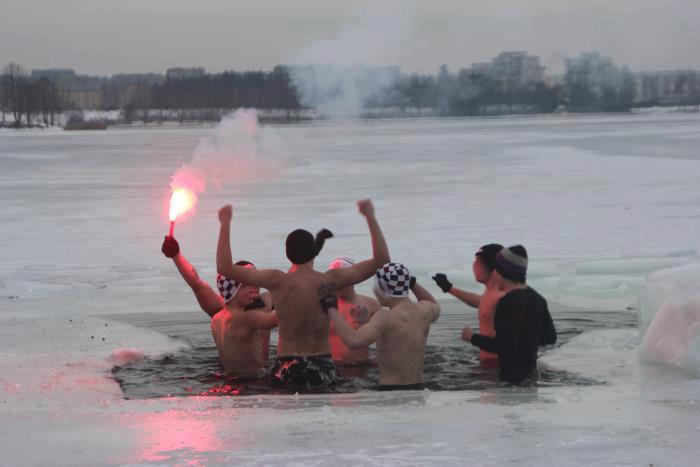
<point>607,207</point>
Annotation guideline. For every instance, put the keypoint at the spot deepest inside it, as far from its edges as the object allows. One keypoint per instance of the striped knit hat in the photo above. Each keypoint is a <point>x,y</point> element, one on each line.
<point>511,263</point>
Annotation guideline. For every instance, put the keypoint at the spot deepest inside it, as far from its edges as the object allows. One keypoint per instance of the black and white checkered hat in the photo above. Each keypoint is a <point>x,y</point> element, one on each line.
<point>228,288</point>
<point>393,280</point>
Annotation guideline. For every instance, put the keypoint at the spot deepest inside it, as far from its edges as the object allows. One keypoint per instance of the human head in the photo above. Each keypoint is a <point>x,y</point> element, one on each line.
<point>485,262</point>
<point>342,262</point>
<point>511,264</point>
<point>233,290</point>
<point>391,282</point>
<point>303,247</point>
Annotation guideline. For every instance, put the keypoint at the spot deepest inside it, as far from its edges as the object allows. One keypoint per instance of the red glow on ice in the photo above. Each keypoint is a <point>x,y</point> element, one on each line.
<point>185,437</point>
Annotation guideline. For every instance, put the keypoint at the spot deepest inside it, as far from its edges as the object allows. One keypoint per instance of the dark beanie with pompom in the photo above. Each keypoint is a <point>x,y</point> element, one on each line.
<point>302,247</point>
<point>511,263</point>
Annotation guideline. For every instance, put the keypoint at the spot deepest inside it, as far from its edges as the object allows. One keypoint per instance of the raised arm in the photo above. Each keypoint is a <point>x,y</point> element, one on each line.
<point>267,278</point>
<point>354,339</point>
<point>470,298</point>
<point>426,299</point>
<point>363,270</point>
<point>446,286</point>
<point>210,301</point>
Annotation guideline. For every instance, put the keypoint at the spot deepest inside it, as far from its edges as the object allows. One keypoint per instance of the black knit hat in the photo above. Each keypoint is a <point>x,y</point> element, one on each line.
<point>302,247</point>
<point>488,253</point>
<point>511,263</point>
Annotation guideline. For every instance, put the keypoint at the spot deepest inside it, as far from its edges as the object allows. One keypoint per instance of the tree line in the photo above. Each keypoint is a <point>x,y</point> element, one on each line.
<point>25,98</point>
<point>591,83</point>
<point>218,92</point>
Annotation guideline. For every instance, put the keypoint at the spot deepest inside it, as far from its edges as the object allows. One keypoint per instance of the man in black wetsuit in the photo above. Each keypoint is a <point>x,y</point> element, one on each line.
<point>522,320</point>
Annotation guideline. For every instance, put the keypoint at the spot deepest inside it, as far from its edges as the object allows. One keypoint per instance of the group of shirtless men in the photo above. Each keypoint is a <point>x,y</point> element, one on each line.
<point>322,321</point>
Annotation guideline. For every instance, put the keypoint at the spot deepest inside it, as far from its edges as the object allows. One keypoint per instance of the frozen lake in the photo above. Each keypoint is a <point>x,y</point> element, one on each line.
<point>600,203</point>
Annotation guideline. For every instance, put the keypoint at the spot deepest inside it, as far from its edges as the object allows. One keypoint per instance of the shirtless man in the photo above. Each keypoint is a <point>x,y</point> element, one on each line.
<point>401,332</point>
<point>304,351</point>
<point>483,268</point>
<point>357,310</point>
<point>241,317</point>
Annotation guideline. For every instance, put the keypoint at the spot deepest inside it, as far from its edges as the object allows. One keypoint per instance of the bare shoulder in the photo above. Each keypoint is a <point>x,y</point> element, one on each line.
<point>428,306</point>
<point>330,278</point>
<point>275,276</point>
<point>222,317</point>
<point>370,303</point>
<point>429,309</point>
<point>493,295</point>
<point>381,316</point>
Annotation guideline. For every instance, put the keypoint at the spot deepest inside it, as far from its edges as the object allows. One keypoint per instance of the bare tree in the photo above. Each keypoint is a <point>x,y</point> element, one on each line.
<point>14,86</point>
<point>45,99</point>
<point>3,100</point>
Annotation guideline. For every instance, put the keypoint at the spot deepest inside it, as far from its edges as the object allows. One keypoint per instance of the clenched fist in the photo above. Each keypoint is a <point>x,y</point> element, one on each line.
<point>366,207</point>
<point>226,213</point>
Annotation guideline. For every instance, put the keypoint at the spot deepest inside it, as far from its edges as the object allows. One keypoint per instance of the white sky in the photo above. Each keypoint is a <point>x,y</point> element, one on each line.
<point>111,36</point>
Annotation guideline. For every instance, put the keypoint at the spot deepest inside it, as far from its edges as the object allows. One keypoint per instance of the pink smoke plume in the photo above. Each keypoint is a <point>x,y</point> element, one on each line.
<point>238,150</point>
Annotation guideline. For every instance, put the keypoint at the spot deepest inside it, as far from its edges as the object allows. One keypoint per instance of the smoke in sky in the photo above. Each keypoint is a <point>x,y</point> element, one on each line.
<point>340,75</point>
<point>239,150</point>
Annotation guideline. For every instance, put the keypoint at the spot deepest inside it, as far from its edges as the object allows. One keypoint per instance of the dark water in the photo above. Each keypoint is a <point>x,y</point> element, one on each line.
<point>450,363</point>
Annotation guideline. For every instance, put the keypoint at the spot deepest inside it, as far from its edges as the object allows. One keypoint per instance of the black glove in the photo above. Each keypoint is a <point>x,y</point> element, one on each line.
<point>442,282</point>
<point>170,247</point>
<point>413,282</point>
<point>328,302</point>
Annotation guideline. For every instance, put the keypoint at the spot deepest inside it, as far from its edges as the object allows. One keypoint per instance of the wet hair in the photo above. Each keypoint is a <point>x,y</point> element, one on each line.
<point>302,247</point>
<point>487,255</point>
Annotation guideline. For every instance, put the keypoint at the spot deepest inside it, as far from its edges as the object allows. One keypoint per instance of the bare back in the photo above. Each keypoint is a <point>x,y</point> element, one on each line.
<point>240,345</point>
<point>303,326</point>
<point>401,348</point>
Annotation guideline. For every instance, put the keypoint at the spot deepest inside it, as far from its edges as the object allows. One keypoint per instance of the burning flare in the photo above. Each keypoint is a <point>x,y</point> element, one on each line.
<point>181,201</point>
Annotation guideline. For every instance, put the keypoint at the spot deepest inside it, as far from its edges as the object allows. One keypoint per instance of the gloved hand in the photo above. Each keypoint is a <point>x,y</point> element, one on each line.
<point>442,282</point>
<point>413,282</point>
<point>170,247</point>
<point>328,302</point>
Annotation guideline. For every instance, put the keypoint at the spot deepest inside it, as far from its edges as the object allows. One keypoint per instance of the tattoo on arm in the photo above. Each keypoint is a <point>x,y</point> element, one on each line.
<point>360,315</point>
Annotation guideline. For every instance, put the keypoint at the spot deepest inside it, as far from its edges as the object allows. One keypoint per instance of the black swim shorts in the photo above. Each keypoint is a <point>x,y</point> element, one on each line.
<point>314,370</point>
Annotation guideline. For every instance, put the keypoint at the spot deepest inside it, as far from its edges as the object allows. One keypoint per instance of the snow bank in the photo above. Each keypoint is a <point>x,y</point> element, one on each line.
<point>669,319</point>
<point>123,357</point>
<point>67,361</point>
